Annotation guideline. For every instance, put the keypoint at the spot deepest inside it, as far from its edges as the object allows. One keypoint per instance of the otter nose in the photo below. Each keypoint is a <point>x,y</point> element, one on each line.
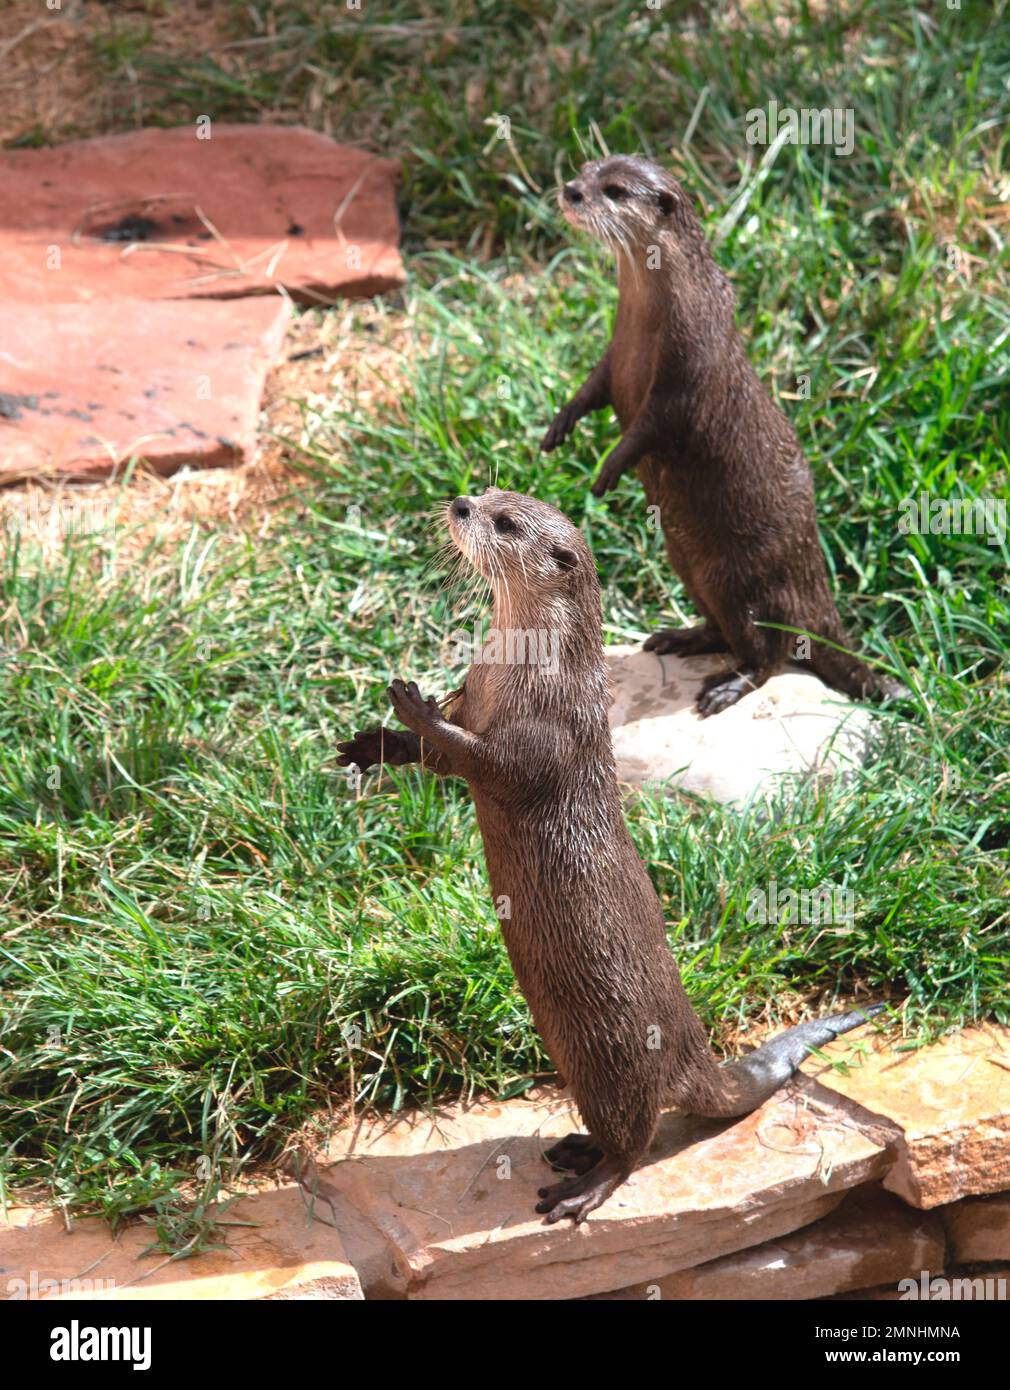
<point>572,193</point>
<point>461,508</point>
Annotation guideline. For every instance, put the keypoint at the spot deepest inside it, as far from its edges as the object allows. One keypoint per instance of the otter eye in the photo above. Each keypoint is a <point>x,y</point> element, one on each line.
<point>504,524</point>
<point>614,191</point>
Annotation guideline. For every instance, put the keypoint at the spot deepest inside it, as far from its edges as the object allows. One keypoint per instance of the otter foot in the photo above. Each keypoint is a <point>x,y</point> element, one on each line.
<point>725,688</point>
<point>686,641</point>
<point>576,1153</point>
<point>577,1197</point>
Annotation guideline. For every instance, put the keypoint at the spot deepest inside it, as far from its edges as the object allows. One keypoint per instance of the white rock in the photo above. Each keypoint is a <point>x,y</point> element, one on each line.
<point>793,724</point>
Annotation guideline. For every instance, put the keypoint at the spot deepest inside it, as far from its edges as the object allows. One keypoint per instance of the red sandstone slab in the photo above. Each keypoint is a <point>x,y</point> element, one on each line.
<point>978,1229</point>
<point>84,387</point>
<point>871,1240</point>
<point>947,1107</point>
<point>164,214</point>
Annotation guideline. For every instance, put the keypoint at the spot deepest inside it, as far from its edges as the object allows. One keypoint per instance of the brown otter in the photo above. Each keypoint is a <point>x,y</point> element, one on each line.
<point>582,922</point>
<point>715,454</point>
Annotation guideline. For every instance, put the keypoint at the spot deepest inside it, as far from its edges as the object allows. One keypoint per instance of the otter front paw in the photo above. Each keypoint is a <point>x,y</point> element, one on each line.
<point>364,749</point>
<point>608,477</point>
<point>370,747</point>
<point>686,641</point>
<point>411,707</point>
<point>559,429</point>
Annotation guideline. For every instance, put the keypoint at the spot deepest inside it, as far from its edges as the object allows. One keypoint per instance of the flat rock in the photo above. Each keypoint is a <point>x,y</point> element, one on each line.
<point>793,724</point>
<point>947,1106</point>
<point>870,1239</point>
<point>284,1253</point>
<point>450,1199</point>
<point>163,214</point>
<point>978,1229</point>
<point>83,387</point>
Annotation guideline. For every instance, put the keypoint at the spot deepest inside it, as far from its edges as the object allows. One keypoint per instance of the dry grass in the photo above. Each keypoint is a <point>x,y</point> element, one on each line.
<point>51,71</point>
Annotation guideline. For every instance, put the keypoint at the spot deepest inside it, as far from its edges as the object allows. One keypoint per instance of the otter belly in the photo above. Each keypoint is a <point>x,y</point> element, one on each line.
<point>683,530</point>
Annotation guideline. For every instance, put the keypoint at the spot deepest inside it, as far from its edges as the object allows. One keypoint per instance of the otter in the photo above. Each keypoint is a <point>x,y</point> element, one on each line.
<point>581,920</point>
<point>715,454</point>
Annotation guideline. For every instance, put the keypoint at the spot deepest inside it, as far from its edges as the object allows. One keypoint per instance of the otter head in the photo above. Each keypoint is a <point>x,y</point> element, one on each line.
<point>531,554</point>
<point>625,202</point>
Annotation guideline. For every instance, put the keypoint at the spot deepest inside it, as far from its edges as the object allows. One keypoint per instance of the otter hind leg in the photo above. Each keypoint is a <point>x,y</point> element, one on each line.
<point>759,652</point>
<point>576,1153</point>
<point>577,1197</point>
<point>687,641</point>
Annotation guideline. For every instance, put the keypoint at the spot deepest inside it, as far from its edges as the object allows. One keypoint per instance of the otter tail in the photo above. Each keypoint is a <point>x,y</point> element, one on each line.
<point>747,1083</point>
<point>845,672</point>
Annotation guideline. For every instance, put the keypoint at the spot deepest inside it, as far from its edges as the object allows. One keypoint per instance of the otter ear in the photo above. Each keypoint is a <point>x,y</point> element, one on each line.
<point>567,559</point>
<point>667,202</point>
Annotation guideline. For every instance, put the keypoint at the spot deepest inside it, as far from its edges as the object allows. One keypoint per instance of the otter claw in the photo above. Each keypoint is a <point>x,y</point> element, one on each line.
<point>607,480</point>
<point>602,486</point>
<point>724,689</point>
<point>577,1197</point>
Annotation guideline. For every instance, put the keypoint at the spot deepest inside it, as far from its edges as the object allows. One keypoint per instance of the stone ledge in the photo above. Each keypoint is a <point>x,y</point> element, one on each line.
<point>458,1220</point>
<point>441,1205</point>
<point>85,387</point>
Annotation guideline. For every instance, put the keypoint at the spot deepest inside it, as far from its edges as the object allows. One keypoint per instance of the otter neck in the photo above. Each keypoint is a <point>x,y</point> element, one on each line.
<point>554,627</point>
<point>685,296</point>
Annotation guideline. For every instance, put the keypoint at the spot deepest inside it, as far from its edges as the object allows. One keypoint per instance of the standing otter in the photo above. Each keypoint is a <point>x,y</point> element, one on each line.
<point>714,452</point>
<point>581,919</point>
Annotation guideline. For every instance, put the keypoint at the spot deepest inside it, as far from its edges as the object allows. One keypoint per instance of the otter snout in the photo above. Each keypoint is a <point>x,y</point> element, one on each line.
<point>571,200</point>
<point>460,515</point>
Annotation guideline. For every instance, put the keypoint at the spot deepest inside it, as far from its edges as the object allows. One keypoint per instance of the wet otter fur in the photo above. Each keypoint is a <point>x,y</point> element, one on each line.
<point>584,926</point>
<point>714,452</point>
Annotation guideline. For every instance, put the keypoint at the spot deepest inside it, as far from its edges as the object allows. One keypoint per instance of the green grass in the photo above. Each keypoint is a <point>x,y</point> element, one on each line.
<point>208,935</point>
